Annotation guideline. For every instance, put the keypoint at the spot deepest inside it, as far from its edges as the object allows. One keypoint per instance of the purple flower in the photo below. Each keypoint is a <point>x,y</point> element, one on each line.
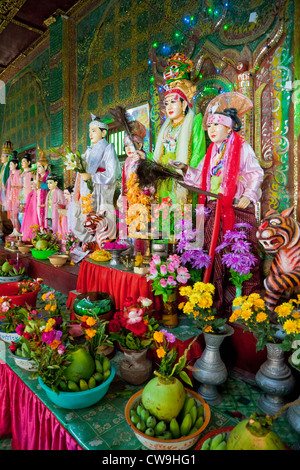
<point>169,336</point>
<point>242,225</point>
<point>197,258</point>
<point>20,329</point>
<point>232,236</point>
<point>241,246</point>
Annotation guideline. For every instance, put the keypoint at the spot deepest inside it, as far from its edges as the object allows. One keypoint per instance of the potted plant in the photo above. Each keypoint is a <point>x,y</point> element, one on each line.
<point>45,242</point>
<point>11,271</point>
<point>165,415</point>
<point>133,330</point>
<point>27,350</point>
<point>237,255</point>
<point>274,376</point>
<point>166,276</point>
<point>21,292</point>
<point>209,369</point>
<point>10,317</point>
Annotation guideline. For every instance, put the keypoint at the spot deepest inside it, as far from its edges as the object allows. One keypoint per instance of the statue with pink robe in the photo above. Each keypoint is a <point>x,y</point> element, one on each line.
<point>55,197</point>
<point>231,169</point>
<point>41,185</point>
<point>13,191</point>
<point>30,217</point>
<point>64,222</point>
<point>25,177</point>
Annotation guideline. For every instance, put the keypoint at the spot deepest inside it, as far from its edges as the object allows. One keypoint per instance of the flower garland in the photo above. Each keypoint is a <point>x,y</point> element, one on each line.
<point>136,196</point>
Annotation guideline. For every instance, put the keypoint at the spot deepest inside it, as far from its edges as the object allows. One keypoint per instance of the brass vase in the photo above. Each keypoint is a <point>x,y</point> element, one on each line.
<point>170,312</point>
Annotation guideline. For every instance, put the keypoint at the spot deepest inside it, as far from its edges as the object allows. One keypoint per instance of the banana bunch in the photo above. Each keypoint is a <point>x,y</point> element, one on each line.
<point>190,419</point>
<point>103,370</point>
<point>100,255</point>
<point>215,443</point>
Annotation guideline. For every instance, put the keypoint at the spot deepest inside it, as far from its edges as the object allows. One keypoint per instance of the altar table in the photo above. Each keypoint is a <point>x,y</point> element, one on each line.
<point>119,283</point>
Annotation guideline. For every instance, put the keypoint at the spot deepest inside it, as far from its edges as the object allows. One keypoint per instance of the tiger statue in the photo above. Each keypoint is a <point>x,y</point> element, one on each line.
<point>279,234</point>
<point>101,229</point>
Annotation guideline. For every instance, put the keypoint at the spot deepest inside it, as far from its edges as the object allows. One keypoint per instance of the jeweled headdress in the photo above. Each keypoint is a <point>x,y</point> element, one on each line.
<point>178,67</point>
<point>96,122</point>
<point>7,148</point>
<point>232,99</point>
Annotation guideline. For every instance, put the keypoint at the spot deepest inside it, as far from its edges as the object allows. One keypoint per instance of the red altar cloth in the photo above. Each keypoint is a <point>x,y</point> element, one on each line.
<point>119,284</point>
<point>24,417</point>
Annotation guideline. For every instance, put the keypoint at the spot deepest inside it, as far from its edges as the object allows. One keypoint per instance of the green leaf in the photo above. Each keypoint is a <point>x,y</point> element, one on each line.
<point>184,376</point>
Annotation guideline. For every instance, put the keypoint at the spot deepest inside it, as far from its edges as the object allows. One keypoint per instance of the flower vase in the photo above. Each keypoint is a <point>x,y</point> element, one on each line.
<point>210,371</point>
<point>170,313</point>
<point>293,418</point>
<point>275,379</point>
<point>135,367</point>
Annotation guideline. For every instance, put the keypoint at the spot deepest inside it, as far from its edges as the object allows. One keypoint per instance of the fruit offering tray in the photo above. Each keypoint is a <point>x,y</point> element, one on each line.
<point>103,426</point>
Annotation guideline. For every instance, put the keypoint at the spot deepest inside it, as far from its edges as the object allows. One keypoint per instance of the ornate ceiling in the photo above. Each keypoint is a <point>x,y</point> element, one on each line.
<point>23,23</point>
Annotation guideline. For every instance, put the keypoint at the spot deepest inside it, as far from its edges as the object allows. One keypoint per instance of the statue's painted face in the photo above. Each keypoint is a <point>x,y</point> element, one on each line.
<point>4,158</point>
<point>41,169</point>
<point>217,132</point>
<point>130,149</point>
<point>51,184</point>
<point>96,134</point>
<point>67,195</point>
<point>25,163</point>
<point>175,108</point>
<point>13,166</point>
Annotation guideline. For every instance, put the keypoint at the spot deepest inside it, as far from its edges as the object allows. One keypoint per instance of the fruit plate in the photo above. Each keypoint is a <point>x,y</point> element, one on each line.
<point>24,363</point>
<point>210,435</point>
<point>42,254</point>
<point>154,443</point>
<point>78,400</point>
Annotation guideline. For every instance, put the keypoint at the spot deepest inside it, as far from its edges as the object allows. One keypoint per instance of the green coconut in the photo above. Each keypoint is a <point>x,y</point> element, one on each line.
<point>41,245</point>
<point>254,434</point>
<point>164,397</point>
<point>82,366</point>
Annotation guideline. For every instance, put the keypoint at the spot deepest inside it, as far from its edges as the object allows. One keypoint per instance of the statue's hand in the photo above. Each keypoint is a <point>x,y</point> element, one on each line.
<point>178,165</point>
<point>85,176</point>
<point>243,202</point>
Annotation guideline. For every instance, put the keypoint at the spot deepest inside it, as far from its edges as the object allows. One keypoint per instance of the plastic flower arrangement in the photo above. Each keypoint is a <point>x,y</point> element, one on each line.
<point>53,351</point>
<point>164,219</point>
<point>135,197</point>
<point>237,256</point>
<point>134,327</point>
<point>70,241</point>
<point>167,354</point>
<point>51,304</point>
<point>117,245</point>
<point>251,312</point>
<point>95,333</point>
<point>87,204</point>
<point>27,286</point>
<point>11,316</point>
<point>190,248</point>
<point>44,238</point>
<point>30,332</point>
<point>74,162</point>
<point>167,275</point>
<point>11,268</point>
<point>199,304</point>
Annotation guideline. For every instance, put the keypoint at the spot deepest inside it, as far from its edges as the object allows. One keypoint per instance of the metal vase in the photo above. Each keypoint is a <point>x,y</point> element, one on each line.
<point>275,379</point>
<point>211,370</point>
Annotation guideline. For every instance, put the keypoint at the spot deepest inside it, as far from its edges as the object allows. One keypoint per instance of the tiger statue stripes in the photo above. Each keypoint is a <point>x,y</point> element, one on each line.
<point>279,234</point>
<point>101,228</point>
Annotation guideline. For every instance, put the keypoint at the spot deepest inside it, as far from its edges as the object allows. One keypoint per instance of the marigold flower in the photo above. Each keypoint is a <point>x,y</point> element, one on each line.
<point>55,344</point>
<point>91,321</point>
<point>158,336</point>
<point>90,333</point>
<point>291,326</point>
<point>261,317</point>
<point>160,352</point>
<point>207,329</point>
<point>284,309</point>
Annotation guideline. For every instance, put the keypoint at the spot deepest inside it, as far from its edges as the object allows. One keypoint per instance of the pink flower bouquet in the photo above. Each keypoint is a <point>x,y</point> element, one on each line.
<point>167,275</point>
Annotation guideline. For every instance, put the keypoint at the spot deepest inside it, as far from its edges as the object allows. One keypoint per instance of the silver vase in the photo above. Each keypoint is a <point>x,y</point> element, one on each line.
<point>210,369</point>
<point>275,379</point>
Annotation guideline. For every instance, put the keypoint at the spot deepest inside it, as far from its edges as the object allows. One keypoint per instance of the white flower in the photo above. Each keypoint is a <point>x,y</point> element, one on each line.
<point>145,302</point>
